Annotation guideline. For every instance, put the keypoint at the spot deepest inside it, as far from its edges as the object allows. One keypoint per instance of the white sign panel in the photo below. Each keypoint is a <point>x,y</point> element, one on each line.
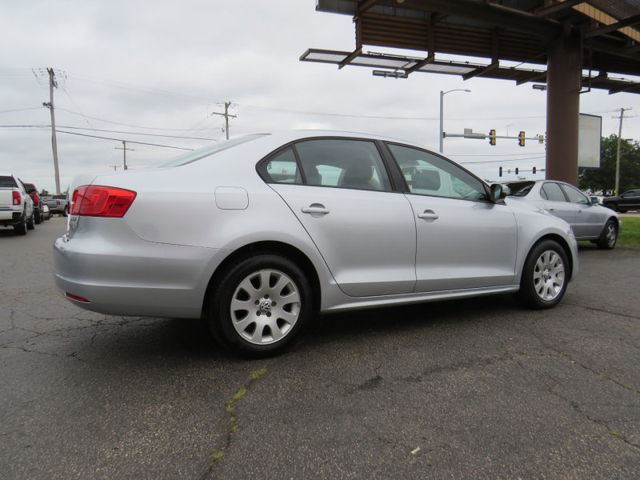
<point>589,138</point>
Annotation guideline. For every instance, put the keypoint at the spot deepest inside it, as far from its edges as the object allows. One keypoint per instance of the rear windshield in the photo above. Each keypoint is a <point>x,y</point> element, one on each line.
<point>29,187</point>
<point>208,151</point>
<point>520,189</point>
<point>7,182</point>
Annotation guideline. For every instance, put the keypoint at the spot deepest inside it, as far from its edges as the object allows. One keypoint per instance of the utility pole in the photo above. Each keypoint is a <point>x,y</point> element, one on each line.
<point>226,116</point>
<point>54,142</point>
<point>621,117</point>
<point>124,152</point>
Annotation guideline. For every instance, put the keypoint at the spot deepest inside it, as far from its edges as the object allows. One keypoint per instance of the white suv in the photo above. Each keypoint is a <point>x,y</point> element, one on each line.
<point>16,206</point>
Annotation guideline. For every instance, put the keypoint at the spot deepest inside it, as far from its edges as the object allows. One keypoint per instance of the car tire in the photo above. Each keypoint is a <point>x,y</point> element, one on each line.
<point>65,212</point>
<point>21,227</point>
<point>609,235</point>
<point>31,223</point>
<point>544,276</point>
<point>260,305</point>
<point>37,217</point>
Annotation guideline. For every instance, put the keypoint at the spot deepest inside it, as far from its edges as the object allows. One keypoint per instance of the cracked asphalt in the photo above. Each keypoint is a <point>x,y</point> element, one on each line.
<point>466,389</point>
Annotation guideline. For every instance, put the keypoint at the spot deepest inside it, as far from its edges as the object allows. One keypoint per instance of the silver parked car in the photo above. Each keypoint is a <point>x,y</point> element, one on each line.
<point>589,220</point>
<point>258,234</point>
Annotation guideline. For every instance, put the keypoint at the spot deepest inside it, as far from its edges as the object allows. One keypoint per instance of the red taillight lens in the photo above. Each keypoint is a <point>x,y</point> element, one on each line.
<point>100,201</point>
<point>16,198</point>
<point>36,199</point>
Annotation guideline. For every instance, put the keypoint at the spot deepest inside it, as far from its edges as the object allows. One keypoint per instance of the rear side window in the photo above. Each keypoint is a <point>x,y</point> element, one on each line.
<point>282,168</point>
<point>551,191</point>
<point>354,164</point>
<point>7,182</point>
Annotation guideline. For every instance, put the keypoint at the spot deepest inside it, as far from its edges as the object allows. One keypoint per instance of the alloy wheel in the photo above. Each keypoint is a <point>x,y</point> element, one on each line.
<point>548,275</point>
<point>265,307</point>
<point>611,235</point>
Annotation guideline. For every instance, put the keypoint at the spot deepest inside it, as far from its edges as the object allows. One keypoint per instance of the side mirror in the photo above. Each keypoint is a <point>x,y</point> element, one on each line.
<point>496,193</point>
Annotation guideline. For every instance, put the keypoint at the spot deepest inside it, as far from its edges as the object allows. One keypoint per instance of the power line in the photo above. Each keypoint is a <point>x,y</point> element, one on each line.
<point>130,86</point>
<point>20,109</point>
<point>480,162</point>
<point>489,154</point>
<point>120,140</point>
<point>129,125</point>
<point>112,131</point>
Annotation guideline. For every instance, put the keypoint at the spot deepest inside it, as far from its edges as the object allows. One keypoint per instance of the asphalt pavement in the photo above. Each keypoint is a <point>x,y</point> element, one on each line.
<point>464,389</point>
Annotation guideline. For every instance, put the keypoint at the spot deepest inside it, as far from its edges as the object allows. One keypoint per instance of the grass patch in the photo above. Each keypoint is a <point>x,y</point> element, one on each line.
<point>630,234</point>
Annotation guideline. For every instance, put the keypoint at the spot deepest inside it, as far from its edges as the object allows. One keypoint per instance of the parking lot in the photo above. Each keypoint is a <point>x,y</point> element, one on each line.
<point>466,389</point>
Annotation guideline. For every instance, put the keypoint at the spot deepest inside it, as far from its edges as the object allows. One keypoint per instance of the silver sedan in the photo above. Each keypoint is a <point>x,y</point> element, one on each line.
<point>259,234</point>
<point>589,220</point>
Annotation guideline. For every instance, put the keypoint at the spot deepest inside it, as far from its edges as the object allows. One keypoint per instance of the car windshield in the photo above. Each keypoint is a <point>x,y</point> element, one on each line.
<point>7,182</point>
<point>208,151</point>
<point>520,189</point>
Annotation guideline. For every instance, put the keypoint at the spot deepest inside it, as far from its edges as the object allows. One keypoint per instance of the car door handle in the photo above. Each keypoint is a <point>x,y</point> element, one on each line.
<point>428,215</point>
<point>317,208</point>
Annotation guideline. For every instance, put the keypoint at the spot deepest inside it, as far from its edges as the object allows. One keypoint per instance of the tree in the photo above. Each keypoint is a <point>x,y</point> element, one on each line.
<point>44,192</point>
<point>604,178</point>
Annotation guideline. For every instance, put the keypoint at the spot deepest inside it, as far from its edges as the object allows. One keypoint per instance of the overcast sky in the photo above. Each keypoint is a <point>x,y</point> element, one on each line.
<point>161,68</point>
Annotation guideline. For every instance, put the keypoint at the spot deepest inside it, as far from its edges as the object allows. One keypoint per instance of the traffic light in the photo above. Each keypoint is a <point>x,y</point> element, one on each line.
<point>492,136</point>
<point>500,171</point>
<point>533,170</point>
<point>521,138</point>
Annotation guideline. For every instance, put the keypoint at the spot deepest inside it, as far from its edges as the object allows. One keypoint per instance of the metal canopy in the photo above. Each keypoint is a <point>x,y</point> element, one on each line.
<point>507,30</point>
<point>400,65</point>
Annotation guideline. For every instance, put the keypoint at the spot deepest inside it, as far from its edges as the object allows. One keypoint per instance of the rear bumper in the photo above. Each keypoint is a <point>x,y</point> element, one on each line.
<point>10,217</point>
<point>121,274</point>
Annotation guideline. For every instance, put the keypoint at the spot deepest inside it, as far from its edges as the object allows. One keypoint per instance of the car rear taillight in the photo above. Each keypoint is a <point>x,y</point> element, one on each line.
<point>36,199</point>
<point>16,198</point>
<point>101,201</point>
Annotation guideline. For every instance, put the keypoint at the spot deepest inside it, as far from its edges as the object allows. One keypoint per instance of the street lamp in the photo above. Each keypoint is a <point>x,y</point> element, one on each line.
<point>442,94</point>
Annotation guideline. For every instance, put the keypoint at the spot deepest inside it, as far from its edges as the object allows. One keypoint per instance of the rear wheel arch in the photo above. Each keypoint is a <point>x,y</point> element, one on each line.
<point>266,247</point>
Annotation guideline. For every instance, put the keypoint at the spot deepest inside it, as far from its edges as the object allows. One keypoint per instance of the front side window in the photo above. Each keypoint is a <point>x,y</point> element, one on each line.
<point>354,164</point>
<point>428,174</point>
<point>575,196</point>
<point>551,191</point>
<point>283,168</point>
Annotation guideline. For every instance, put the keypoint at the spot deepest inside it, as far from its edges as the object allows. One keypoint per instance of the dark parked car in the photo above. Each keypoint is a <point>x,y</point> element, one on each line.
<point>629,200</point>
<point>37,201</point>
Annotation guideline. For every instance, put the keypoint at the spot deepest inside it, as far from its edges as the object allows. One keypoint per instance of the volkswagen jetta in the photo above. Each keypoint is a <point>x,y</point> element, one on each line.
<point>258,234</point>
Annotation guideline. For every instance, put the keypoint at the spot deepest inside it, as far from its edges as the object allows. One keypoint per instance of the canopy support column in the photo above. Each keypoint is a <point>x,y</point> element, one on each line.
<point>564,75</point>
